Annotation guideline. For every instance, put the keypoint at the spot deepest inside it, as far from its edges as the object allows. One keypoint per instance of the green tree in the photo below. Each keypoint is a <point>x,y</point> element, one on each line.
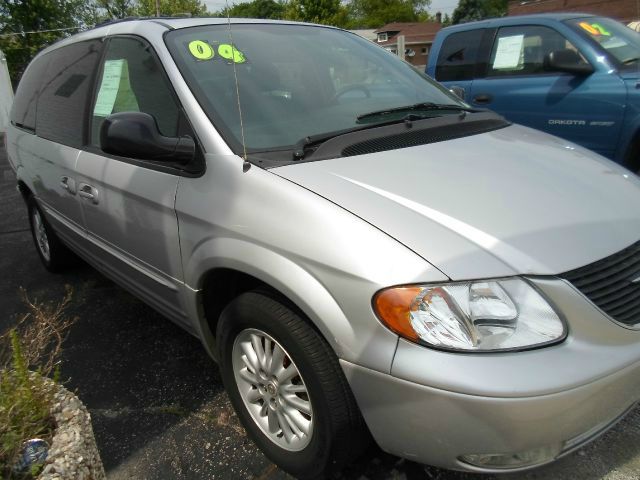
<point>255,9</point>
<point>99,11</point>
<point>114,9</point>
<point>376,13</point>
<point>51,19</point>
<point>195,8</point>
<point>471,10</point>
<point>314,11</point>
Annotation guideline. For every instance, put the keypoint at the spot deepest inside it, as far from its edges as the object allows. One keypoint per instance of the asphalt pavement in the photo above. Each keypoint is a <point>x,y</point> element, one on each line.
<point>157,403</point>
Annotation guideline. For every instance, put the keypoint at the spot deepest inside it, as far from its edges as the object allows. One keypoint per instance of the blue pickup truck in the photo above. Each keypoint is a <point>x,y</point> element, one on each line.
<point>576,76</point>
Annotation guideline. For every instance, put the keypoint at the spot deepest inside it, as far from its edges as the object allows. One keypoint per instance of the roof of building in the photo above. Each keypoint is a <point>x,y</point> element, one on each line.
<point>414,32</point>
<point>369,34</point>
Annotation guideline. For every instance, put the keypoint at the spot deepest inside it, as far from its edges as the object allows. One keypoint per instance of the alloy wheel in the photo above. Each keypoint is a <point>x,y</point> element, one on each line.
<point>272,389</point>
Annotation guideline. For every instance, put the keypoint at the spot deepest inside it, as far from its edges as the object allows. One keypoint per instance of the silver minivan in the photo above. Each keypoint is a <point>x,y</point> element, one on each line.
<point>363,254</point>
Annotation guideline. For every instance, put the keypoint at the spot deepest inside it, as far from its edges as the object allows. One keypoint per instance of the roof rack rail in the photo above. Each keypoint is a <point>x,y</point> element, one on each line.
<point>132,19</point>
<point>119,20</point>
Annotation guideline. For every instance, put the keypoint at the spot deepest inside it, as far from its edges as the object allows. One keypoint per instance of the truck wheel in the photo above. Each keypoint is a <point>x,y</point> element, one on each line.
<point>54,254</point>
<point>287,387</point>
<point>632,157</point>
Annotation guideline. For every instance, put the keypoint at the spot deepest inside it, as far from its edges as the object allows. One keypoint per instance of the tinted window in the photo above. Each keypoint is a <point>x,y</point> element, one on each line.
<point>521,50</point>
<point>23,113</point>
<point>132,80</point>
<point>457,58</point>
<point>294,81</point>
<point>64,92</point>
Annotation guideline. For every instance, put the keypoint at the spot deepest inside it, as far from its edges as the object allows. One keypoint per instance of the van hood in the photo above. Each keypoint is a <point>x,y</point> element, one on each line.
<point>511,201</point>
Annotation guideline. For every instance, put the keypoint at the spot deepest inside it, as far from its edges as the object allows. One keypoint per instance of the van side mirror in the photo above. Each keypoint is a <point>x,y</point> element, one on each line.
<point>568,61</point>
<point>136,135</point>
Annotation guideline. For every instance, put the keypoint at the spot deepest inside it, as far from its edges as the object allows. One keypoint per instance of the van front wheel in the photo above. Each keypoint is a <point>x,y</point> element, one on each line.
<point>287,387</point>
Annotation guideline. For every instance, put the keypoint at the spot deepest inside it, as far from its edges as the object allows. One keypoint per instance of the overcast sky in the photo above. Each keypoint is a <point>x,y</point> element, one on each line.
<point>444,6</point>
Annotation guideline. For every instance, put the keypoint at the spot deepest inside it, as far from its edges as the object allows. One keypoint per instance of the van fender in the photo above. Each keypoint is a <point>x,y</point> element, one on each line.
<point>277,271</point>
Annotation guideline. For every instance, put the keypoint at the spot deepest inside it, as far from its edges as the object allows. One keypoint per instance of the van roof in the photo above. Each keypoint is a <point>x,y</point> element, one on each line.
<point>134,24</point>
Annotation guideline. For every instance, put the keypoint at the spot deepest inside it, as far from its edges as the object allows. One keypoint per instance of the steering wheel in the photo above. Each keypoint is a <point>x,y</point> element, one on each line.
<point>351,88</point>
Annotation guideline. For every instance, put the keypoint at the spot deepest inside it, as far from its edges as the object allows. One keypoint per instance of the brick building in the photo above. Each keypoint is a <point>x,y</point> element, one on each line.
<point>418,37</point>
<point>624,11</point>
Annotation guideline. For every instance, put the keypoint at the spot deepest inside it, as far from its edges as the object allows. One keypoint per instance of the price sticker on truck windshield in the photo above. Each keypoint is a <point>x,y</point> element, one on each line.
<point>201,50</point>
<point>595,29</point>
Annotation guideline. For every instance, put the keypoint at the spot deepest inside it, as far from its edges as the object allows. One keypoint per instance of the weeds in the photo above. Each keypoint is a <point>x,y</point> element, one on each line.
<point>29,352</point>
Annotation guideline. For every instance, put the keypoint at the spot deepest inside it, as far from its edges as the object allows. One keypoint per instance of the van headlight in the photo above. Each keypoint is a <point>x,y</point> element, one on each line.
<point>483,315</point>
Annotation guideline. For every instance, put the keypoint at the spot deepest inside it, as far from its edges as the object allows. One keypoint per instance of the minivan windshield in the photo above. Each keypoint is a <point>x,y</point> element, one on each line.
<point>622,43</point>
<point>299,81</point>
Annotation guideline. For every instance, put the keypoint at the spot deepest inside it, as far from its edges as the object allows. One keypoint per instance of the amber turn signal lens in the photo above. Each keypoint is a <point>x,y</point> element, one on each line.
<point>393,307</point>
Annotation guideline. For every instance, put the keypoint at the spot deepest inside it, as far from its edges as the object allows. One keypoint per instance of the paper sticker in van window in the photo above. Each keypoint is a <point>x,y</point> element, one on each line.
<point>115,94</point>
<point>201,50</point>
<point>230,52</point>
<point>595,29</point>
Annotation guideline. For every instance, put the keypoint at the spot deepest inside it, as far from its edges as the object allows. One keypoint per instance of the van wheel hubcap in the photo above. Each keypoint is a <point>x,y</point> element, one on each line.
<point>41,235</point>
<point>272,389</point>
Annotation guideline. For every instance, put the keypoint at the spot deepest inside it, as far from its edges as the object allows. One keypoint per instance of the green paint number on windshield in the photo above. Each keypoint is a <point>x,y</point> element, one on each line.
<point>201,50</point>
<point>228,51</point>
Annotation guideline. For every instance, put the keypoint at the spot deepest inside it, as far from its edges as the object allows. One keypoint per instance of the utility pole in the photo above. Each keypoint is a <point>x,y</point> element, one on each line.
<point>157,8</point>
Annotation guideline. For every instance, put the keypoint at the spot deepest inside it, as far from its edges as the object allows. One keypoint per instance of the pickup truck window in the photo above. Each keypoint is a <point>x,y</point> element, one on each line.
<point>622,43</point>
<point>521,50</point>
<point>457,58</point>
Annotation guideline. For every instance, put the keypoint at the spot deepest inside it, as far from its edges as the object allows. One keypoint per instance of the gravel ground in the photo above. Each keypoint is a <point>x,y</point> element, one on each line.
<point>158,407</point>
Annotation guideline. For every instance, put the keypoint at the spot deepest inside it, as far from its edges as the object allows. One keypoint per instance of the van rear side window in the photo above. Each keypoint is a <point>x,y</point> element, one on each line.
<point>64,94</point>
<point>23,113</point>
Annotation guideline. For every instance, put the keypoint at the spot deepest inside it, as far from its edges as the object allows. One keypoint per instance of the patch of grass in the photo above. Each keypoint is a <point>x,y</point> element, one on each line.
<point>25,406</point>
<point>29,352</point>
<point>172,409</point>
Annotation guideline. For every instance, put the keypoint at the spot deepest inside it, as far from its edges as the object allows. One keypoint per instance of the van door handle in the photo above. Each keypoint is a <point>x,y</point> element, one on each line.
<point>483,98</point>
<point>88,192</point>
<point>68,184</point>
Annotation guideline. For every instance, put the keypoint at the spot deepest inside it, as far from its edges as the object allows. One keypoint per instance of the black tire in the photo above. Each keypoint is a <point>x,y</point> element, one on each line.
<point>632,157</point>
<point>339,433</point>
<point>55,256</point>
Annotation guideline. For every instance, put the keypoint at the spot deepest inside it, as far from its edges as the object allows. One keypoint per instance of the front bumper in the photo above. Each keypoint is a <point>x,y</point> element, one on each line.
<point>435,407</point>
<point>436,427</point>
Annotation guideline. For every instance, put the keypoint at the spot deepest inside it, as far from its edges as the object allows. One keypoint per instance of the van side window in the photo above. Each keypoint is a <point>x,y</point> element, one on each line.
<point>521,50</point>
<point>64,93</point>
<point>23,113</point>
<point>132,80</point>
<point>457,58</point>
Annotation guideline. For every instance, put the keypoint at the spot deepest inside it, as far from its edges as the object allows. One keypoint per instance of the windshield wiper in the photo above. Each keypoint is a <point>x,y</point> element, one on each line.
<point>305,143</point>
<point>301,146</point>
<point>629,61</point>
<point>423,106</point>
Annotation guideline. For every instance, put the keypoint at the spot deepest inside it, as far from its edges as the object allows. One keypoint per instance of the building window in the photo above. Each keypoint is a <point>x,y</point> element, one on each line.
<point>424,50</point>
<point>383,37</point>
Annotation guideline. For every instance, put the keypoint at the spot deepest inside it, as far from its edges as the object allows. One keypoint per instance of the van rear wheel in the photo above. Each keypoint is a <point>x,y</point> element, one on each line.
<point>287,387</point>
<point>55,256</point>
